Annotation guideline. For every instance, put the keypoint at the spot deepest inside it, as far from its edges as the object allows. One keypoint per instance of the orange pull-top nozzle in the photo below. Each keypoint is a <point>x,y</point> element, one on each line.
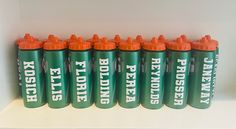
<point>29,43</point>
<point>79,44</point>
<point>104,44</point>
<point>54,43</point>
<point>180,44</point>
<point>154,45</point>
<point>204,44</point>
<point>129,45</point>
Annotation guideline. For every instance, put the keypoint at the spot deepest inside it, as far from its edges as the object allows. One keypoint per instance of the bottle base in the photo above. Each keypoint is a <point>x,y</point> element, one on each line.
<point>105,107</point>
<point>175,107</point>
<point>58,107</point>
<point>152,108</point>
<point>34,106</point>
<point>129,106</point>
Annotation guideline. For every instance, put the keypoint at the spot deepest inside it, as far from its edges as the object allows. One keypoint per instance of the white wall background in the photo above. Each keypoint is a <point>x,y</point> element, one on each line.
<point>126,17</point>
<point>9,31</point>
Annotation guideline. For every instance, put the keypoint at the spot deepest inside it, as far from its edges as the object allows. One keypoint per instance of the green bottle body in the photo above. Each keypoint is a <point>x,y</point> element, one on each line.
<point>57,86</point>
<point>105,78</point>
<point>18,69</point>
<point>201,78</point>
<point>80,67</point>
<point>152,86</point>
<point>177,75</point>
<point>215,70</point>
<point>129,78</point>
<point>33,87</point>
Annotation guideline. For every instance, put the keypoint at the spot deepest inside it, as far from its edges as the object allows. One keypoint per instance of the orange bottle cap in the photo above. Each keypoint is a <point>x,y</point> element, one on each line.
<point>162,38</point>
<point>94,39</point>
<point>129,45</point>
<point>29,43</point>
<point>154,45</point>
<point>140,39</point>
<point>204,44</point>
<point>184,37</point>
<point>79,44</point>
<point>27,36</point>
<point>210,39</point>
<point>72,38</point>
<point>54,43</point>
<point>117,40</point>
<point>104,44</point>
<point>179,45</point>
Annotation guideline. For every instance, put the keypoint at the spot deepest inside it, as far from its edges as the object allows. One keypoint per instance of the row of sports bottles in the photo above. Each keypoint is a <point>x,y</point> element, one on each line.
<point>101,71</point>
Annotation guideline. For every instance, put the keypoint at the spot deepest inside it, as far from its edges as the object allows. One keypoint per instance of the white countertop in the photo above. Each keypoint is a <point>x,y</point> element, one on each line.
<point>219,116</point>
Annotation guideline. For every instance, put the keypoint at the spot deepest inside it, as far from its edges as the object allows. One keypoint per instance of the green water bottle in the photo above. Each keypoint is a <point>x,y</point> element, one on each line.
<point>80,67</point>
<point>105,73</point>
<point>26,36</point>
<point>201,75</point>
<point>152,86</point>
<point>30,56</point>
<point>177,73</point>
<point>55,67</point>
<point>129,74</point>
